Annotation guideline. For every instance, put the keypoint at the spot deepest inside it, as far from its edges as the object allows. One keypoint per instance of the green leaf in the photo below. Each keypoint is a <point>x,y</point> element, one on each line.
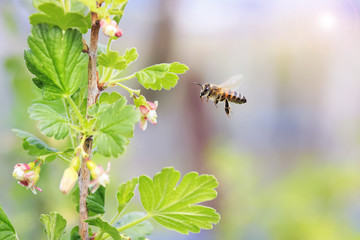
<point>126,193</point>
<point>96,202</point>
<point>55,58</point>
<point>114,126</point>
<point>130,55</point>
<point>105,101</point>
<point>7,231</point>
<point>161,76</point>
<point>53,14</point>
<point>172,204</point>
<point>54,225</point>
<point>112,59</point>
<point>141,100</point>
<point>34,145</point>
<point>74,234</point>
<point>137,232</point>
<point>51,124</point>
<point>105,227</point>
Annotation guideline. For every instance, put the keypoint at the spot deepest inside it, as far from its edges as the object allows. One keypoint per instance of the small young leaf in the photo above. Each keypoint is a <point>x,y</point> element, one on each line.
<point>51,124</point>
<point>53,14</point>
<point>126,193</point>
<point>7,231</point>
<point>105,227</point>
<point>161,76</point>
<point>114,126</point>
<point>105,101</point>
<point>130,55</point>
<point>54,225</point>
<point>55,58</point>
<point>172,205</point>
<point>112,59</point>
<point>96,202</point>
<point>137,232</point>
<point>34,145</point>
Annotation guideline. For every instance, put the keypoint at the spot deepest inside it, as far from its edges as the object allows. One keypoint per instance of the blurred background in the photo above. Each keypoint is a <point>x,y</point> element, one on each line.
<point>287,161</point>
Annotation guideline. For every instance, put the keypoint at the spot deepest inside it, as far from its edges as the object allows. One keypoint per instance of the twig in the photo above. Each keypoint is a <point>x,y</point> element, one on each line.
<point>84,178</point>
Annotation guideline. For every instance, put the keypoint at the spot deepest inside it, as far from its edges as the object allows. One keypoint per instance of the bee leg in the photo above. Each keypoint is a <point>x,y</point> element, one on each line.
<point>201,98</point>
<point>207,98</point>
<point>227,108</point>
<point>216,102</point>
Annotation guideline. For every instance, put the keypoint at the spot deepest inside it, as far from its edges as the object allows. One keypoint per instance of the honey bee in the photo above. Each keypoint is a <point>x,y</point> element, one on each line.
<point>223,92</point>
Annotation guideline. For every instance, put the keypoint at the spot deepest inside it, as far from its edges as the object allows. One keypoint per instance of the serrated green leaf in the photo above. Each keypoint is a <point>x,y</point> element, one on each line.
<point>172,205</point>
<point>138,231</point>
<point>54,225</point>
<point>113,60</point>
<point>161,76</point>
<point>34,145</point>
<point>52,124</point>
<point>7,231</point>
<point>130,55</point>
<point>95,202</point>
<point>125,193</point>
<point>105,227</point>
<point>55,58</point>
<point>115,126</point>
<point>53,14</point>
<point>105,101</point>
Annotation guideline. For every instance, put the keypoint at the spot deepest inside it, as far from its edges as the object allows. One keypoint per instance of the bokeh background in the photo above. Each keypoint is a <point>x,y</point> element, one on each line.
<point>287,161</point>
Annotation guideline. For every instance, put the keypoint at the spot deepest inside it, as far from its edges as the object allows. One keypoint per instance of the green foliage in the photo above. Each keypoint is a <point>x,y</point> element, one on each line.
<point>173,206</point>
<point>7,231</point>
<point>54,225</point>
<point>56,59</point>
<point>161,76</point>
<point>95,202</point>
<point>74,234</point>
<point>137,232</point>
<point>114,126</point>
<point>34,145</point>
<point>105,227</point>
<point>125,193</point>
<point>52,13</point>
<point>51,123</point>
<point>112,59</point>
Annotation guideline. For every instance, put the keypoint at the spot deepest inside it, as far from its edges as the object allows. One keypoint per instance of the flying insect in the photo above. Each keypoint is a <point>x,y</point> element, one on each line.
<point>225,92</point>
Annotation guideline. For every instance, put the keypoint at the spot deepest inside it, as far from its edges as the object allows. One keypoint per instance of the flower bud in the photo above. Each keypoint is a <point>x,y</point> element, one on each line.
<point>148,113</point>
<point>68,180</point>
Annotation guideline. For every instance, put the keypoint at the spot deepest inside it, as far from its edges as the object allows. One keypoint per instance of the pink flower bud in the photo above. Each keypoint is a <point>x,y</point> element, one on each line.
<point>148,113</point>
<point>110,28</point>
<point>99,175</point>
<point>28,175</point>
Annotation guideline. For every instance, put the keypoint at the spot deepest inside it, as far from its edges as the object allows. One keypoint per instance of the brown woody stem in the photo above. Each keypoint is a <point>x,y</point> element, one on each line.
<point>84,178</point>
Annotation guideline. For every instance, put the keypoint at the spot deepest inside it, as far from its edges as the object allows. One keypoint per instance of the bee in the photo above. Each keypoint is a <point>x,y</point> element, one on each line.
<point>223,92</point>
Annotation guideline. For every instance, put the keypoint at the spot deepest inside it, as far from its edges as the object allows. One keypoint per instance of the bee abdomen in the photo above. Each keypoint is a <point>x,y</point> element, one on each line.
<point>237,97</point>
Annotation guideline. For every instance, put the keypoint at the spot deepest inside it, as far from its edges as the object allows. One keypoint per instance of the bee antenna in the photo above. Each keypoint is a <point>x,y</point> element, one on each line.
<point>198,84</point>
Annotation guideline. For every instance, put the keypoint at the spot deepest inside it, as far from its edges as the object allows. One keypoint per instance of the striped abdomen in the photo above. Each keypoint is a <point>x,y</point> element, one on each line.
<point>233,96</point>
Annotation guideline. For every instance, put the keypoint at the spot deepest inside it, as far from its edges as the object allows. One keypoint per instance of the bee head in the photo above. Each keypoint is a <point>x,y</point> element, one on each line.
<point>205,88</point>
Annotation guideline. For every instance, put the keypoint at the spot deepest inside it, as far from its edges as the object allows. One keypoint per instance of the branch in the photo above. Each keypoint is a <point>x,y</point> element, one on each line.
<point>84,178</point>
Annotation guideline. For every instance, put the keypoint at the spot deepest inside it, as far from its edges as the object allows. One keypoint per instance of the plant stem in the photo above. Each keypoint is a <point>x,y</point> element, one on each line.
<point>108,44</point>
<point>121,79</point>
<point>84,178</point>
<point>130,90</point>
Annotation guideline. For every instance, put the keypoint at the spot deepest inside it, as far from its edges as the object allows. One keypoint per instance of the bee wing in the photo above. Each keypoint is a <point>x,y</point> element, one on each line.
<point>233,82</point>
